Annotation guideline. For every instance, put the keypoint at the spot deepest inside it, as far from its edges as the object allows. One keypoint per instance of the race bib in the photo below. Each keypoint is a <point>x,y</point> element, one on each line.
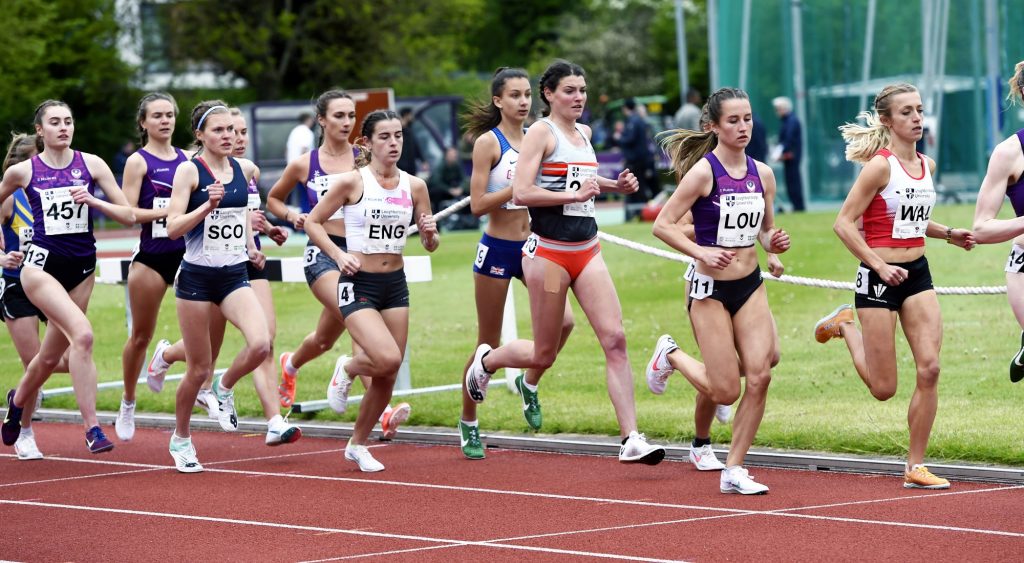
<point>160,225</point>
<point>913,213</point>
<point>481,255</point>
<point>861,284</point>
<point>690,270</point>
<point>309,256</point>
<point>346,294</point>
<point>530,246</point>
<point>701,286</point>
<point>224,231</point>
<point>61,215</point>
<point>3,287</point>
<point>35,257</point>
<point>320,185</point>
<point>739,220</point>
<point>253,203</point>
<point>1015,263</point>
<point>574,177</point>
<point>25,236</point>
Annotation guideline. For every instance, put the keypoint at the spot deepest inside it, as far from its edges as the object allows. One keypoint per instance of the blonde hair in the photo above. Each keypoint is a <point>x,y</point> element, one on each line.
<point>862,142</point>
<point>685,147</point>
<point>1017,84</point>
<point>22,148</point>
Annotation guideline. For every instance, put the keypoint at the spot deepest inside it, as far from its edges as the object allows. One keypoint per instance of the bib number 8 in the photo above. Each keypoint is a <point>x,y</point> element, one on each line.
<point>861,285</point>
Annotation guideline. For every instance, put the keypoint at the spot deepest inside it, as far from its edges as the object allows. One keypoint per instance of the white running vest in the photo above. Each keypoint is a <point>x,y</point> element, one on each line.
<point>379,222</point>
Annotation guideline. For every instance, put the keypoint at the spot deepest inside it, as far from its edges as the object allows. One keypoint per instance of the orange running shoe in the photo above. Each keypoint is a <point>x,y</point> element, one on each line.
<point>394,418</point>
<point>920,478</point>
<point>286,389</point>
<point>828,327</point>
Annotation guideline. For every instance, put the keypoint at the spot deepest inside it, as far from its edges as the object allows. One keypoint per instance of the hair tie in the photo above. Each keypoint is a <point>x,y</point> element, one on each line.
<point>203,118</point>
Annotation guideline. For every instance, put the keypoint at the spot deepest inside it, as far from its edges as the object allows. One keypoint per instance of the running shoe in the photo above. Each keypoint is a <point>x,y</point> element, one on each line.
<point>735,479</point>
<point>469,436</point>
<point>723,413</point>
<point>124,425</point>
<point>477,377</point>
<point>337,389</point>
<point>227,417</point>
<point>828,327</point>
<point>207,400</point>
<point>280,432</point>
<point>920,478</point>
<point>393,418</point>
<point>704,459</point>
<point>531,403</point>
<point>97,441</point>
<point>635,449</point>
<point>659,368</point>
<point>363,457</point>
<point>184,455</point>
<point>286,390</point>
<point>1017,363</point>
<point>26,447</point>
<point>12,421</point>
<point>157,368</point>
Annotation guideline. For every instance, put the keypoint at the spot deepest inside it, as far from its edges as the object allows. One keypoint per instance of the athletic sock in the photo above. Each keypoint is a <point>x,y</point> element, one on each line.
<point>274,420</point>
<point>472,424</point>
<point>289,368</point>
<point>701,442</point>
<point>531,388</point>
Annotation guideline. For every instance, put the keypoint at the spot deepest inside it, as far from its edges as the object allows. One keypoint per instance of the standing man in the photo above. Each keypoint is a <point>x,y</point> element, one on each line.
<point>636,151</point>
<point>411,158</point>
<point>300,141</point>
<point>791,142</point>
<point>688,116</point>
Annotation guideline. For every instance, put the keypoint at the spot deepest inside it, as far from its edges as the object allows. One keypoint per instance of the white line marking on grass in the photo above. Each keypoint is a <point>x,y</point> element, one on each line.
<point>453,542</point>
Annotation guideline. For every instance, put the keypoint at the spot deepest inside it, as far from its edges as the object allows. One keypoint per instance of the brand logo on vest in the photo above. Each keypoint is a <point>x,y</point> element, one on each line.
<point>879,289</point>
<point>76,173</point>
<point>751,186</point>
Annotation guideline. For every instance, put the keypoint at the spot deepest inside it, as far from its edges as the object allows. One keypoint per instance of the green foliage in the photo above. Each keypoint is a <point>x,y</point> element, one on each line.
<point>66,49</point>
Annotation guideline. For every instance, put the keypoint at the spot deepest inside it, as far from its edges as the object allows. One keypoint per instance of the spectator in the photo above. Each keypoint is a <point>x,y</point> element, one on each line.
<point>635,145</point>
<point>446,181</point>
<point>757,149</point>
<point>791,144</point>
<point>411,159</point>
<point>688,116</point>
<point>121,159</point>
<point>300,141</point>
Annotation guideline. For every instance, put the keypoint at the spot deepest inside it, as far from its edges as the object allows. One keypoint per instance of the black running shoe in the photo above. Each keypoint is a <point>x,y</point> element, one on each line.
<point>1016,366</point>
<point>12,422</point>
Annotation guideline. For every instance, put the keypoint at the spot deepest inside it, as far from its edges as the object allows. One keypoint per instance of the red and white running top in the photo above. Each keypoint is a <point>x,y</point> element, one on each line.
<point>898,216</point>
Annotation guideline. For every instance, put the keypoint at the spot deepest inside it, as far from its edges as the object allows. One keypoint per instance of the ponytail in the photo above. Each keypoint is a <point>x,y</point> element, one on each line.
<point>862,142</point>
<point>483,115</point>
<point>1017,84</point>
<point>20,149</point>
<point>684,147</point>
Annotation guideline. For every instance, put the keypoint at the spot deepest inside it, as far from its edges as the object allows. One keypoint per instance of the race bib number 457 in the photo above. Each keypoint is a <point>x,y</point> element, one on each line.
<point>61,215</point>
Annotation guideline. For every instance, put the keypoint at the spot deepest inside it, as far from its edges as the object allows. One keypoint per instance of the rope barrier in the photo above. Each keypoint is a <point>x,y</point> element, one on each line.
<point>443,213</point>
<point>795,280</point>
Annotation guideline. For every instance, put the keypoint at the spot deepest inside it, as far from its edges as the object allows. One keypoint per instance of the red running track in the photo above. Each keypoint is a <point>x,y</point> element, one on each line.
<point>304,502</point>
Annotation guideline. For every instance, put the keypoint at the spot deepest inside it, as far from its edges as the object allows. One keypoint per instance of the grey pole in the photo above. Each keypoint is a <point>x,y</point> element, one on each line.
<point>799,89</point>
<point>992,70</point>
<point>684,73</point>
<point>713,44</point>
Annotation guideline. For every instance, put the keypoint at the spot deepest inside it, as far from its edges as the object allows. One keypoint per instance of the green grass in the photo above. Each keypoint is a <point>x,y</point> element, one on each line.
<point>816,400</point>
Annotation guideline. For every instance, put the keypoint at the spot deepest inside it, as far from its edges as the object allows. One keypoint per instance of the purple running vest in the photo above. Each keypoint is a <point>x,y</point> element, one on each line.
<point>707,209</point>
<point>44,179</point>
<point>157,183</point>
<point>1016,191</point>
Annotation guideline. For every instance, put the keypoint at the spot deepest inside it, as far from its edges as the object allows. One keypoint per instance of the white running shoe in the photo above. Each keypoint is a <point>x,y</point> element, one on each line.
<point>477,377</point>
<point>337,389</point>
<point>280,432</point>
<point>227,417</point>
<point>26,447</point>
<point>207,400</point>
<point>184,454</point>
<point>393,418</point>
<point>157,368</point>
<point>658,369</point>
<point>363,457</point>
<point>704,459</point>
<point>124,424</point>
<point>735,479</point>
<point>635,449</point>
<point>723,413</point>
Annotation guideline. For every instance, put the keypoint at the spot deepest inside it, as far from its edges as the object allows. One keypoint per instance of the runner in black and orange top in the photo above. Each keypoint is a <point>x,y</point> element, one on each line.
<point>893,199</point>
<point>556,177</point>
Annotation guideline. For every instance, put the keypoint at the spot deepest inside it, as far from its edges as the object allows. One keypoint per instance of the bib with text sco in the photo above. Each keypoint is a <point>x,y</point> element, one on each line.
<point>61,215</point>
<point>913,213</point>
<point>224,231</point>
<point>739,220</point>
<point>574,177</point>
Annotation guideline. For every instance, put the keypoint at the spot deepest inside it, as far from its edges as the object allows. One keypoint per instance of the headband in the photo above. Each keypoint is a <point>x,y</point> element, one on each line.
<point>203,118</point>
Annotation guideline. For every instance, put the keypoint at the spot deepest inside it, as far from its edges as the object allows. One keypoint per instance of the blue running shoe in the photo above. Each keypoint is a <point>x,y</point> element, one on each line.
<point>97,441</point>
<point>12,422</point>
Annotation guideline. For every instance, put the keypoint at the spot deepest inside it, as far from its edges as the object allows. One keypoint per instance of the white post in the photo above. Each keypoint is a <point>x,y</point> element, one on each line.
<point>800,90</point>
<point>509,332</point>
<point>744,46</point>
<point>714,74</point>
<point>684,73</point>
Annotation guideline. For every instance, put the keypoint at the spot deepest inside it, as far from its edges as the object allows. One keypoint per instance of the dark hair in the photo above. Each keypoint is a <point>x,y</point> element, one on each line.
<point>369,126</point>
<point>18,150</point>
<point>483,116</point>
<point>140,115</point>
<point>630,104</point>
<point>685,147</point>
<point>554,74</point>
<point>324,100</point>
<point>1016,83</point>
<point>304,116</point>
<point>404,112</point>
<point>41,109</point>
<point>200,113</point>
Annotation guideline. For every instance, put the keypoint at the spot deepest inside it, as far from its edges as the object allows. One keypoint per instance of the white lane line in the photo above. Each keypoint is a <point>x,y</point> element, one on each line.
<point>900,524</point>
<point>279,456</point>
<point>300,527</point>
<point>75,478</point>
